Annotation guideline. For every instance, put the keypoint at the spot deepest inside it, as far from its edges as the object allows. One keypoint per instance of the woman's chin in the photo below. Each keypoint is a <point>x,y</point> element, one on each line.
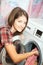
<point>19,30</point>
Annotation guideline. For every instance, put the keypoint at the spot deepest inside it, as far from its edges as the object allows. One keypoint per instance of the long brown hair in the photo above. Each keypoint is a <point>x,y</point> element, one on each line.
<point>15,13</point>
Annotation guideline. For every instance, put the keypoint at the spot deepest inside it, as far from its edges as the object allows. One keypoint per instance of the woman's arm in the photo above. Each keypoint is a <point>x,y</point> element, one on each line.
<point>17,57</point>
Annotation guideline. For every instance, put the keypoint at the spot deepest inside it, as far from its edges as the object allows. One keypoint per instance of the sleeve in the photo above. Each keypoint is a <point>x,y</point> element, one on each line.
<point>5,37</point>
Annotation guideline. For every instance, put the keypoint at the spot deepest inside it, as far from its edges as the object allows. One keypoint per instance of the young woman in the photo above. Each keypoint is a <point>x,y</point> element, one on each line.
<point>17,22</point>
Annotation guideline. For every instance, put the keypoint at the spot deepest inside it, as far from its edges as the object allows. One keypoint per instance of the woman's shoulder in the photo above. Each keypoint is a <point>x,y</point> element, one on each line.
<point>4,29</point>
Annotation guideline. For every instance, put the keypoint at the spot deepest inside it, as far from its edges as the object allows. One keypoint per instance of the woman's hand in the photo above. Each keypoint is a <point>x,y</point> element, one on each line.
<point>35,52</point>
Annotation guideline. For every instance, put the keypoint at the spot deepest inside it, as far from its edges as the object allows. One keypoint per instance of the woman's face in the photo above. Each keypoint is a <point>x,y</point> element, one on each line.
<point>20,23</point>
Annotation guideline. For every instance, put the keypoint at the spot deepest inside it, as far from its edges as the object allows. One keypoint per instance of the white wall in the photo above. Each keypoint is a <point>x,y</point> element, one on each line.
<point>8,5</point>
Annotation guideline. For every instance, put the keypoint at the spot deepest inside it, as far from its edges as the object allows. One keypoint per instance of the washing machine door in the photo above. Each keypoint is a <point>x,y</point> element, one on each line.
<point>31,45</point>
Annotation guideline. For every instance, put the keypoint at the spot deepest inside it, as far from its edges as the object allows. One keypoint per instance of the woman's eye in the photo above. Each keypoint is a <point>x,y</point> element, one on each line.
<point>19,21</point>
<point>22,22</point>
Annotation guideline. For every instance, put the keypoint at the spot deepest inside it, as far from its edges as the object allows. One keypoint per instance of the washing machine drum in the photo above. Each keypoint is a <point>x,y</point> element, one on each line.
<point>6,60</point>
<point>30,46</point>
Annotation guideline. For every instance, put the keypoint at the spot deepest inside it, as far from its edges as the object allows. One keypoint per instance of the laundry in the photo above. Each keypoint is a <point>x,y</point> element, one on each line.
<point>32,59</point>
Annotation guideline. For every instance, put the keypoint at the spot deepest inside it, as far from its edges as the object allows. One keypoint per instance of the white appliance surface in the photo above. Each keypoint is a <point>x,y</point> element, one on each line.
<point>34,32</point>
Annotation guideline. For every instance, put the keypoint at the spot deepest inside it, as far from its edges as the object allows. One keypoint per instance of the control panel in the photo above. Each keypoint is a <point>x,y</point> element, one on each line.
<point>35,29</point>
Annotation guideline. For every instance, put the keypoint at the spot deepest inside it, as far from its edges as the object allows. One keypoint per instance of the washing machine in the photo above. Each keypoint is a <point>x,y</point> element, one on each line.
<point>33,37</point>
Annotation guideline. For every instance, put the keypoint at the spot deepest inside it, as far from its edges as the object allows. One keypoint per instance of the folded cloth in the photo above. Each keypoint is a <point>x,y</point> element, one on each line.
<point>32,59</point>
